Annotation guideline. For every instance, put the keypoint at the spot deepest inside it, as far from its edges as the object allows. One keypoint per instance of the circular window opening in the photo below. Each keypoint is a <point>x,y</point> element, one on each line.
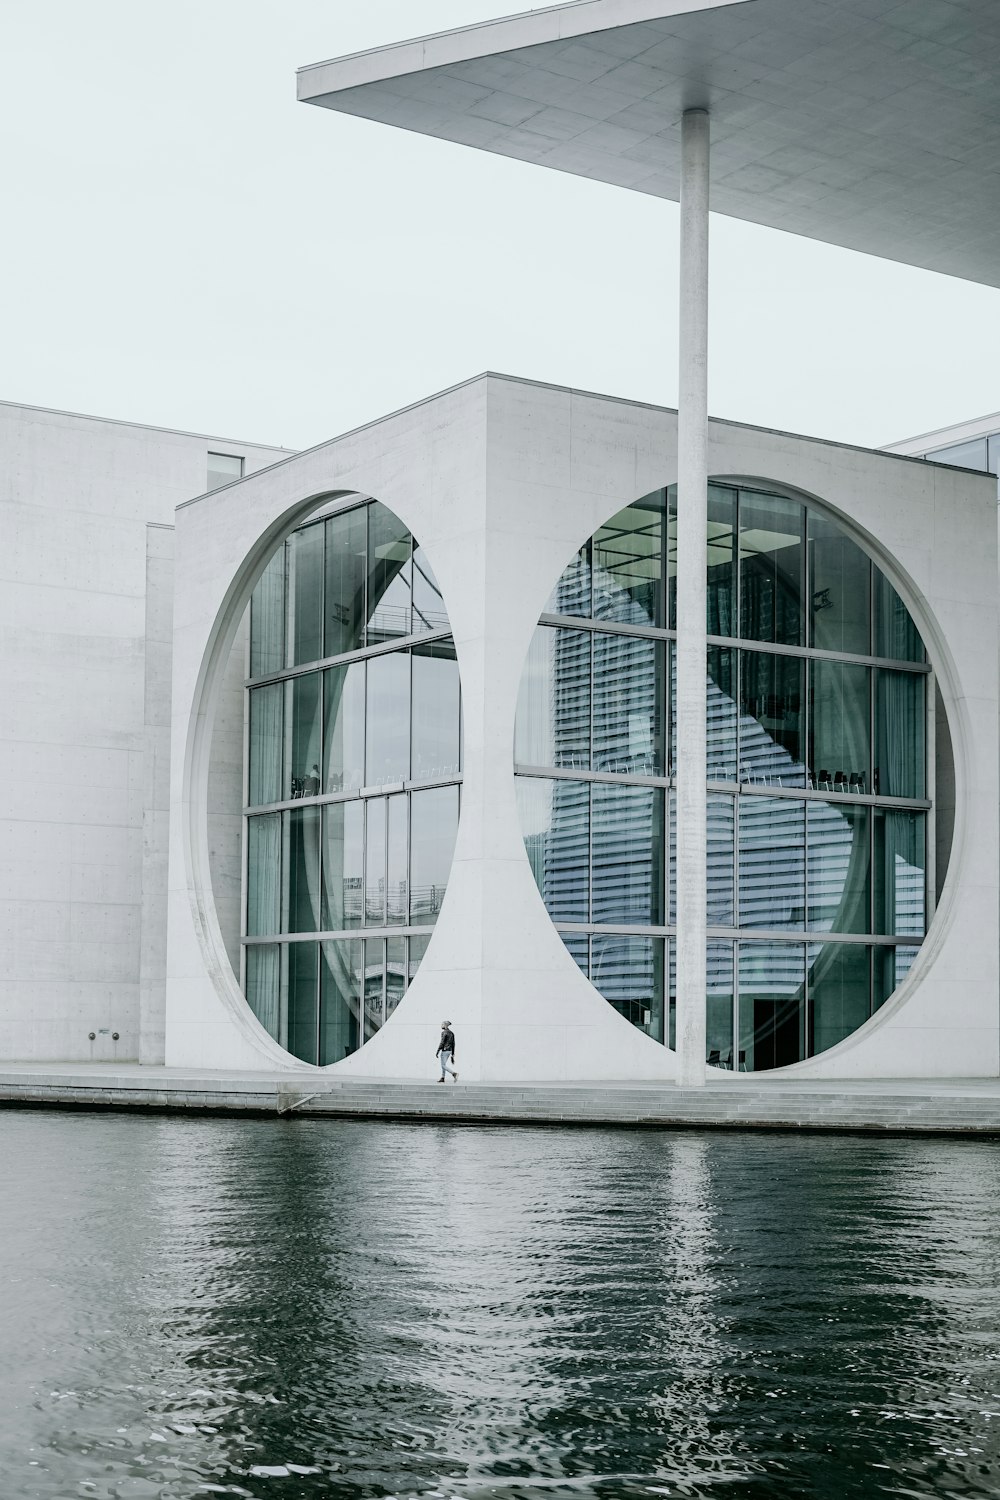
<point>353,768</point>
<point>819,813</point>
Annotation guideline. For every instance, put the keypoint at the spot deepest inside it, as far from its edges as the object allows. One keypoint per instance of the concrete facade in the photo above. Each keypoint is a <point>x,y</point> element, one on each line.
<point>501,481</point>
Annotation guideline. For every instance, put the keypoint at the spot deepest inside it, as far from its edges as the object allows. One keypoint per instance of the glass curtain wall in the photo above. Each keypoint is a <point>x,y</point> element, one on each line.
<point>354,767</point>
<point>817,785</point>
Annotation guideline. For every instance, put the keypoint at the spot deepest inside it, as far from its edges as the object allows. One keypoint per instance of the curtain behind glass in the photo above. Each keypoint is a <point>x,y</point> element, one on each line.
<point>264,875</point>
<point>900,873</point>
<point>267,619</point>
<point>264,985</point>
<point>267,735</point>
<point>899,734</point>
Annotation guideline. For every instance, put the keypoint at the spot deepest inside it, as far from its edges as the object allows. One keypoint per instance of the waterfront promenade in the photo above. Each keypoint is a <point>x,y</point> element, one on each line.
<point>923,1106</point>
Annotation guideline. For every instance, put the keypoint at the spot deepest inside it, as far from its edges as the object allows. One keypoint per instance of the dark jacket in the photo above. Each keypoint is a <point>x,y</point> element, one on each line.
<point>447,1043</point>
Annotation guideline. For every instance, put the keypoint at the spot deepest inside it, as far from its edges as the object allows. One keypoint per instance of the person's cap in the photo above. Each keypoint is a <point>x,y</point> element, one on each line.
<point>445,1023</point>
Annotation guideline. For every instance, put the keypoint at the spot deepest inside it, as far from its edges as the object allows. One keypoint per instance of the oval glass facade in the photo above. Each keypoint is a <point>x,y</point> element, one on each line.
<point>354,758</point>
<point>818,814</point>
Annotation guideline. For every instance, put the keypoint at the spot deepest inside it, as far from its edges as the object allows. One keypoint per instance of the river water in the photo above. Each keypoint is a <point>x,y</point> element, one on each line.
<point>302,1309</point>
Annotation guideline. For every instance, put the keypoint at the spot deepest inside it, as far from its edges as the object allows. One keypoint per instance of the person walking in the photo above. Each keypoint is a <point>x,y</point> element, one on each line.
<point>446,1052</point>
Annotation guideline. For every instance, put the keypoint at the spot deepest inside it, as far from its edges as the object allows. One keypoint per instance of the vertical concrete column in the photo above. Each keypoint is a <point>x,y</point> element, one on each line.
<point>692,560</point>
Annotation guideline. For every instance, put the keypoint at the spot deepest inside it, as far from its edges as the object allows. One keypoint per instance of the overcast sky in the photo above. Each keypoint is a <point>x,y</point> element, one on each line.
<point>185,245</point>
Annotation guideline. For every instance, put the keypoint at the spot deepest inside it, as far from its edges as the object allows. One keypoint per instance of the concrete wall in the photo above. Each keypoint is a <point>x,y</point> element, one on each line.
<point>81,744</point>
<point>501,481</point>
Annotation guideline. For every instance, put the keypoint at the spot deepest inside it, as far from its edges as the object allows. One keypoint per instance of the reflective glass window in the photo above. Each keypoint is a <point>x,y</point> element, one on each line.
<point>572,594</point>
<point>263,984</point>
<point>771,568</point>
<point>223,468</point>
<point>344,727</point>
<point>428,604</point>
<point>722,713</point>
<point>771,719</point>
<point>264,875</point>
<point>839,992</point>
<point>839,727</point>
<point>302,863</point>
<point>346,570</point>
<point>772,857</point>
<point>552,727</point>
<point>896,634</point>
<point>340,999</point>
<point>433,830</point>
<point>721,602</point>
<point>375,820</point>
<point>970,455</point>
<point>628,970</point>
<point>436,712</point>
<point>838,869</point>
<point>900,722</point>
<point>301,1001</point>
<point>389,575</point>
<point>555,824</point>
<point>578,947</point>
<point>343,865</point>
<point>267,619</point>
<point>387,757</point>
<point>304,710</point>
<point>627,849</point>
<point>267,738</point>
<point>721,862</point>
<point>416,948</point>
<point>900,872</point>
<point>397,861</point>
<point>772,1007</point>
<point>629,564</point>
<point>395,973</point>
<point>839,589</point>
<point>374,992</point>
<point>305,595</point>
<point>719,1013</point>
<point>891,966</point>
<point>629,704</point>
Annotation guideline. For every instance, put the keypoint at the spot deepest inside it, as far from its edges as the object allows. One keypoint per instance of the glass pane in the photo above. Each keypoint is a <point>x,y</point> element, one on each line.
<point>900,872</point>
<point>397,870</point>
<point>721,713</point>
<point>263,989</point>
<point>719,1005</point>
<point>571,595</point>
<point>374,985</point>
<point>993,458</point>
<point>305,595</point>
<point>772,1010</point>
<point>771,556</point>
<point>395,973</point>
<point>839,727</point>
<point>970,455</point>
<point>578,947</point>
<point>891,967</point>
<point>340,1000</point>
<point>838,876</point>
<point>839,992</point>
<point>555,823</point>
<point>721,861</point>
<point>223,468</point>
<point>302,1001</point>
<point>629,569</point>
<point>304,824</point>
<point>839,589</point>
<point>304,709</point>
<point>436,711</point>
<point>267,619</point>
<point>896,636</point>
<point>629,704</point>
<point>375,862</point>
<point>433,829</point>
<point>344,727</point>
<point>721,616</point>
<point>388,750</point>
<point>429,612</point>
<point>343,865</point>
<point>900,719</point>
<point>416,947</point>
<point>267,735</point>
<point>772,863</point>
<point>628,840</point>
<point>672,564</point>
<point>345,581</point>
<point>628,972</point>
<point>552,727</point>
<point>771,728</point>
<point>389,573</point>
<point>264,875</point>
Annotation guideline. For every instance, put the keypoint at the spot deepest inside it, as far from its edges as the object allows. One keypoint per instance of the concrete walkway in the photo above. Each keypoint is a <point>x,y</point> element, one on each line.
<point>928,1106</point>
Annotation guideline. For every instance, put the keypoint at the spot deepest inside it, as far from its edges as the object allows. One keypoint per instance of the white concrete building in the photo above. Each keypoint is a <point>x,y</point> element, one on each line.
<point>437,719</point>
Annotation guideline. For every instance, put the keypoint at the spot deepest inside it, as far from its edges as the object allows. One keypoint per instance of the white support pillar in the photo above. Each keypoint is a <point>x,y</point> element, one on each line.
<point>692,563</point>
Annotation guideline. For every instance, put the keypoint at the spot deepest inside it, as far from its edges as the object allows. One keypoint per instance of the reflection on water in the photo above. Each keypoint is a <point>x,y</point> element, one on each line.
<point>307,1309</point>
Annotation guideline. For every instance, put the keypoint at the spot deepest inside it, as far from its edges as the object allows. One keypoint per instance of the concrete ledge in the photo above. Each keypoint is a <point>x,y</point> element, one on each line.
<point>922,1106</point>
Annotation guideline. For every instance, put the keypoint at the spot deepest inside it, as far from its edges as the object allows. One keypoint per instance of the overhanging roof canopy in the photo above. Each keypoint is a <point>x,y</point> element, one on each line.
<point>871,124</point>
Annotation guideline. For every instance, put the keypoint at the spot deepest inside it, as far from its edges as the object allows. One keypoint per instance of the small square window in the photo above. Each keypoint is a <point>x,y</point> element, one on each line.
<point>223,468</point>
